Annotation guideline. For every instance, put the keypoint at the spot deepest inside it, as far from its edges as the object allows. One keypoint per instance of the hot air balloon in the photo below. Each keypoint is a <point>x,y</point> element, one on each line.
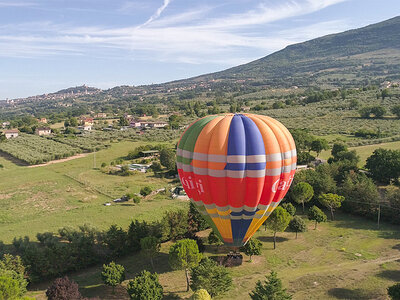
<point>236,168</point>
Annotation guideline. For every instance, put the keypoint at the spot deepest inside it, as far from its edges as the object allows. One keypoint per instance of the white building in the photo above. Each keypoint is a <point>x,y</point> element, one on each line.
<point>12,133</point>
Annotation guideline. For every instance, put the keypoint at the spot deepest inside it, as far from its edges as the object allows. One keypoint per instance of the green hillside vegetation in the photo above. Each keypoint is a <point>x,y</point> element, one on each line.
<point>350,58</point>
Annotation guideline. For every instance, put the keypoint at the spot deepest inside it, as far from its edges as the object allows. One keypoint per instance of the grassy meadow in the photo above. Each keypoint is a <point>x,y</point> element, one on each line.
<point>72,193</point>
<point>344,259</point>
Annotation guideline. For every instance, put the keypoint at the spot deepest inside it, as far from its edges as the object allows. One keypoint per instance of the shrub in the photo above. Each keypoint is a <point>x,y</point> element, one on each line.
<point>145,286</point>
<point>136,199</point>
<point>252,247</point>
<point>145,191</point>
<point>63,289</point>
<point>297,224</point>
<point>213,278</point>
<point>113,274</point>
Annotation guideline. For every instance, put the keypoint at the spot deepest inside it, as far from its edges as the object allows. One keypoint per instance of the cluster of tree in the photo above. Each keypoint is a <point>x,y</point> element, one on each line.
<point>384,165</point>
<point>372,112</point>
<point>72,249</point>
<point>175,121</point>
<point>305,142</point>
<point>340,184</point>
<point>369,133</point>
<point>321,96</point>
<point>135,153</point>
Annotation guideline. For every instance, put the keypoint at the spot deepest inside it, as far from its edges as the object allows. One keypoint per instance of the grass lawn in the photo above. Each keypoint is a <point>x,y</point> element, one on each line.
<point>345,259</point>
<point>365,151</point>
<point>45,199</point>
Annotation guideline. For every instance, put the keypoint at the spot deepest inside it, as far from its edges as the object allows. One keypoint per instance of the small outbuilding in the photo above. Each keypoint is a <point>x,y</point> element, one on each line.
<point>43,131</point>
<point>11,133</point>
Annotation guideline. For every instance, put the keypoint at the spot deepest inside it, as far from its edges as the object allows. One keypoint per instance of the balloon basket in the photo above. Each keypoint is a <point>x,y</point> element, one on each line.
<point>232,259</point>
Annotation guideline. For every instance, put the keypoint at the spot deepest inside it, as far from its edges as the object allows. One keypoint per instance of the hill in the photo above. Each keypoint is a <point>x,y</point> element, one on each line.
<point>354,57</point>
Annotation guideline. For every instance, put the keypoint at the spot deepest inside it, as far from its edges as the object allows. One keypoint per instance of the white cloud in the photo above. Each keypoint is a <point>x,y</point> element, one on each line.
<point>158,13</point>
<point>188,36</point>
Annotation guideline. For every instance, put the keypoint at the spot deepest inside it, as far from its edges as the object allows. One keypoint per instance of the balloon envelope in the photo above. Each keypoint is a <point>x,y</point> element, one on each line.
<point>236,168</point>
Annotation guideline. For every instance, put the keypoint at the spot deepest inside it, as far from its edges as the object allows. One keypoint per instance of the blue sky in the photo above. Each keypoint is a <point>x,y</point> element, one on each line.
<point>47,45</point>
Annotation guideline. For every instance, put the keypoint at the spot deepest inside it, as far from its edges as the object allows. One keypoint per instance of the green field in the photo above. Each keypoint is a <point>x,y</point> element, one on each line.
<point>72,193</point>
<point>365,151</point>
<point>345,259</point>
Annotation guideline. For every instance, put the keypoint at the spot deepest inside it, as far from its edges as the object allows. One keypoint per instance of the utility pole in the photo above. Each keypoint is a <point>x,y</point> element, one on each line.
<point>379,214</point>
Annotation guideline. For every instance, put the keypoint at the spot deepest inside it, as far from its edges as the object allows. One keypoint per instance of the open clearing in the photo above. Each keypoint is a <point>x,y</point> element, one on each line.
<point>365,151</point>
<point>320,264</point>
<point>67,194</point>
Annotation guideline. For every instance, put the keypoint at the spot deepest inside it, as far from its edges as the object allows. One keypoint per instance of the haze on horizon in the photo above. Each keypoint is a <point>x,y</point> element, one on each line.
<point>49,45</point>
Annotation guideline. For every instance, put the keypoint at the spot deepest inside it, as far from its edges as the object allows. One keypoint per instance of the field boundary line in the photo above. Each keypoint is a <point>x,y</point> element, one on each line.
<point>90,186</point>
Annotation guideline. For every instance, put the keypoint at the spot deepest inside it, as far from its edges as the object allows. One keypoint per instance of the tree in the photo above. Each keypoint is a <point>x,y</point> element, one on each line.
<point>385,93</point>
<point>123,122</point>
<point>184,254</point>
<point>150,247</point>
<point>156,166</point>
<point>337,148</point>
<point>361,194</point>
<point>270,289</point>
<point>167,158</point>
<point>317,215</point>
<point>145,191</point>
<point>211,277</point>
<point>396,110</point>
<point>196,221</point>
<point>113,274</point>
<point>73,122</point>
<point>384,165</point>
<point>174,224</point>
<point>11,266</point>
<point>297,224</point>
<point>252,247</point>
<point>201,294</point>
<point>302,192</point>
<point>278,221</point>
<point>394,291</point>
<point>175,121</point>
<point>145,286</point>
<point>9,288</point>
<point>289,207</point>
<point>213,239</point>
<point>331,201</point>
<point>116,240</point>
<point>354,104</point>
<point>63,289</point>
<point>136,199</point>
<point>318,145</point>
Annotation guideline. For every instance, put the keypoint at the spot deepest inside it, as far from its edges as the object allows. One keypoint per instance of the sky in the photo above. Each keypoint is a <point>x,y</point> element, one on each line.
<point>48,45</point>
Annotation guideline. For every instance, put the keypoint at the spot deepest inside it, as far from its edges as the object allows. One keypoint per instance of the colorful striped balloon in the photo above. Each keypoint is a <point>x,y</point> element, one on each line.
<point>236,168</point>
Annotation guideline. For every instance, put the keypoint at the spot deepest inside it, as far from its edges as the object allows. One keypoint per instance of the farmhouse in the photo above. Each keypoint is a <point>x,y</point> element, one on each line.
<point>86,121</point>
<point>43,131</point>
<point>42,120</point>
<point>11,133</point>
<point>5,124</point>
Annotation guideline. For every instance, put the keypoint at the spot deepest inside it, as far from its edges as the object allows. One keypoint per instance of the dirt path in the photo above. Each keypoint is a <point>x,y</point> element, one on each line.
<point>60,160</point>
